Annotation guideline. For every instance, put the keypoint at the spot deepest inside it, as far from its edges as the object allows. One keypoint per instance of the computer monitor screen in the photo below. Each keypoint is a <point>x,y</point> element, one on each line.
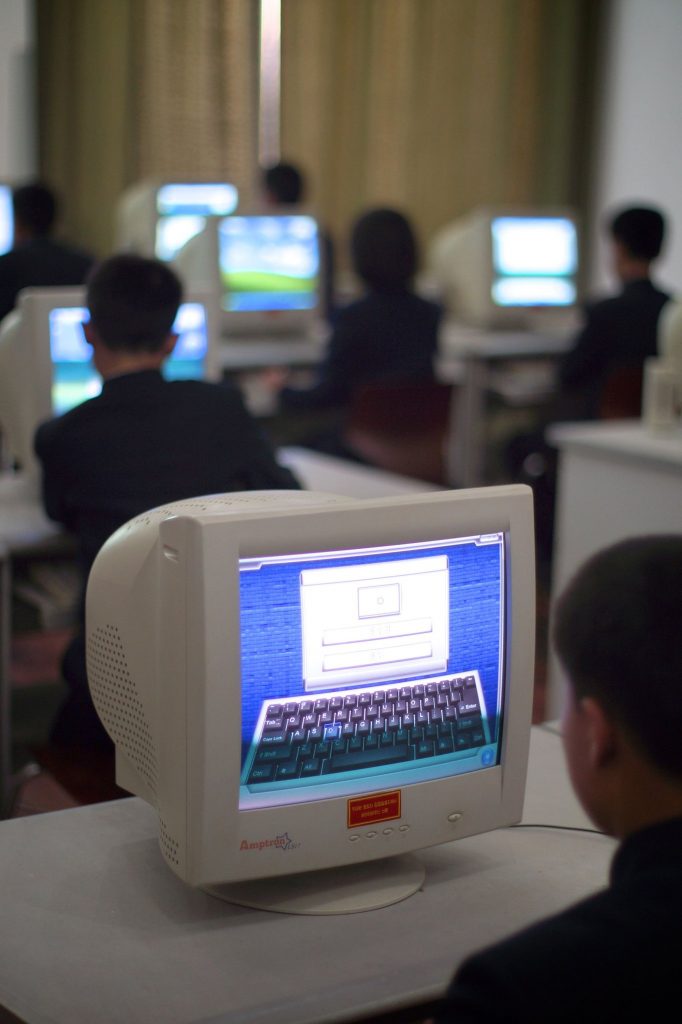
<point>377,665</point>
<point>6,219</point>
<point>182,210</point>
<point>269,263</point>
<point>535,261</point>
<point>74,378</point>
<point>300,681</point>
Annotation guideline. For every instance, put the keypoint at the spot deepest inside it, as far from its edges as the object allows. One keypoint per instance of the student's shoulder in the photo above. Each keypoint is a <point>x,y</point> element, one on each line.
<point>209,395</point>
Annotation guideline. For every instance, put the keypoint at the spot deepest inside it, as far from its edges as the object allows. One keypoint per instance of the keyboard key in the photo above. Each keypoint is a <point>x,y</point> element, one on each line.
<point>386,739</point>
<point>262,773</point>
<point>445,746</point>
<point>287,771</point>
<point>424,749</point>
<point>313,766</point>
<point>272,755</point>
<point>272,739</point>
<point>273,724</point>
<point>368,758</point>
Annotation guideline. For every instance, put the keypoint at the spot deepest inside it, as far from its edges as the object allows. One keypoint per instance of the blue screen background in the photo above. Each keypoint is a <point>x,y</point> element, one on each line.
<point>271,625</point>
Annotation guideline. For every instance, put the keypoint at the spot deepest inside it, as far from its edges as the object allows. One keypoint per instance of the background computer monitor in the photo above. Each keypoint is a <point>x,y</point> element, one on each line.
<point>6,219</point>
<point>236,642</point>
<point>157,219</point>
<point>269,272</point>
<point>46,364</point>
<point>503,267</point>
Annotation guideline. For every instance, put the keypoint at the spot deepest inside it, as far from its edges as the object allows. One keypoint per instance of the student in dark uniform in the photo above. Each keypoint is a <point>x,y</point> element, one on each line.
<point>614,956</point>
<point>143,442</point>
<point>619,331</point>
<point>37,260</point>
<point>390,333</point>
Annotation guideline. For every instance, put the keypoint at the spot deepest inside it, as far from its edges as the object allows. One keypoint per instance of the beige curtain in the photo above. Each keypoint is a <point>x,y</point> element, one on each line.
<point>130,89</point>
<point>436,106</point>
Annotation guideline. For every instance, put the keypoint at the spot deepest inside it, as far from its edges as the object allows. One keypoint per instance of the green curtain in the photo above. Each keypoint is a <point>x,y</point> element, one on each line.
<point>130,89</point>
<point>437,106</point>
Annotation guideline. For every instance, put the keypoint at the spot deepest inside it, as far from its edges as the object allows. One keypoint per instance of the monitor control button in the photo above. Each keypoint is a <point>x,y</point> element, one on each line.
<point>404,828</point>
<point>455,817</point>
<point>388,831</point>
<point>371,835</point>
<point>354,838</point>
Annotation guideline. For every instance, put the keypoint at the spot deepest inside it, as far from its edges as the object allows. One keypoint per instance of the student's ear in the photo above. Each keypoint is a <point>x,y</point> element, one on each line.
<point>90,333</point>
<point>169,343</point>
<point>601,733</point>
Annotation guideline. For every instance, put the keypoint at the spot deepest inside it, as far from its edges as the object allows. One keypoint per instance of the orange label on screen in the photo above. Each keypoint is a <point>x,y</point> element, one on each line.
<point>371,810</point>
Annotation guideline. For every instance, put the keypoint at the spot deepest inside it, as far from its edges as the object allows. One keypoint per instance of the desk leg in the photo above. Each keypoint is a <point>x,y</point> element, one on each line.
<point>5,682</point>
<point>467,442</point>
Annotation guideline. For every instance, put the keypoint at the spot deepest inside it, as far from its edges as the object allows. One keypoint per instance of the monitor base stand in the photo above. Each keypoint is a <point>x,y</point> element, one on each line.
<point>344,890</point>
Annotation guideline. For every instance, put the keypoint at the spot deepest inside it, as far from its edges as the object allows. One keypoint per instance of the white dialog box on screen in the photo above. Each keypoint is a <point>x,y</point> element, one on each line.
<point>378,621</point>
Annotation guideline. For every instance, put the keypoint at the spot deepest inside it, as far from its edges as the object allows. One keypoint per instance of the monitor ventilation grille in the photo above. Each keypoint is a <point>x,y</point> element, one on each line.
<point>117,701</point>
<point>169,845</point>
<point>227,502</point>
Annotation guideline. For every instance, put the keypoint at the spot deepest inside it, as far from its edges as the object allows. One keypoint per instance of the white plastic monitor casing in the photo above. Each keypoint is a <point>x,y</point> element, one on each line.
<point>26,365</point>
<point>669,341</point>
<point>460,260</point>
<point>163,651</point>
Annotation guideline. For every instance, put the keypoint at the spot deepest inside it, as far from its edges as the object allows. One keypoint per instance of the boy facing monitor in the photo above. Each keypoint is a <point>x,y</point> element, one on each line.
<point>142,442</point>
<point>615,955</point>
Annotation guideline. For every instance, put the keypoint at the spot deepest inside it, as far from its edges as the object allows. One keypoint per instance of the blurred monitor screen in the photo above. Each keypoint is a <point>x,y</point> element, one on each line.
<point>74,378</point>
<point>535,261</point>
<point>6,219</point>
<point>269,263</point>
<point>182,211</point>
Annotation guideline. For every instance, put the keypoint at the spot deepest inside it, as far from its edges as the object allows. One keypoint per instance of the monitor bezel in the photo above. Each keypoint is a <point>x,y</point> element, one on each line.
<point>199,557</point>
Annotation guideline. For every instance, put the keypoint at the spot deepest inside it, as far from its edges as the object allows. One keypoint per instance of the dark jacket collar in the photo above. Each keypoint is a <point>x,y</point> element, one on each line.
<point>658,846</point>
<point>139,379</point>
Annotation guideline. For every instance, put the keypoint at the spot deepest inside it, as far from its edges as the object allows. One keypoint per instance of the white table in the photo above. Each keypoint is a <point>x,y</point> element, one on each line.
<point>615,480</point>
<point>97,928</point>
<point>476,358</point>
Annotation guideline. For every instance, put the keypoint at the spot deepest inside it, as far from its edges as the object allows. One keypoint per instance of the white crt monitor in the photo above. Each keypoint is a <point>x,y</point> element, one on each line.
<point>501,267</point>
<point>46,364</point>
<point>300,682</point>
<point>159,218</point>
<point>6,219</point>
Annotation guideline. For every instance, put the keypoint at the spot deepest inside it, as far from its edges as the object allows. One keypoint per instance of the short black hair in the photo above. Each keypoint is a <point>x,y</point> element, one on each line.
<point>384,249</point>
<point>640,229</point>
<point>35,207</point>
<point>617,632</point>
<point>133,302</point>
<point>284,182</point>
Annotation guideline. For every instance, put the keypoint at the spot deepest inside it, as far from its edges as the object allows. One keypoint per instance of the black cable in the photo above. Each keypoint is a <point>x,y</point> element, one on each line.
<point>560,828</point>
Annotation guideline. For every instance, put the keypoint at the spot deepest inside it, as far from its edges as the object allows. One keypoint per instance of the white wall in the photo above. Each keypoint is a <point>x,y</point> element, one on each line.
<point>639,152</point>
<point>18,157</point>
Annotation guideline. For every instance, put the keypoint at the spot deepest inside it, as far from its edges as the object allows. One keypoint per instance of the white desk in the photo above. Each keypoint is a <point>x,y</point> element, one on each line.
<point>474,358</point>
<point>97,928</point>
<point>615,480</point>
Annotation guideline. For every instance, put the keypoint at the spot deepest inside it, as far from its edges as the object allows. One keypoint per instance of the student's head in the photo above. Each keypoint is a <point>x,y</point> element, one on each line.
<point>283,184</point>
<point>384,249</point>
<point>617,632</point>
<point>35,210</point>
<point>637,235</point>
<point>133,302</point>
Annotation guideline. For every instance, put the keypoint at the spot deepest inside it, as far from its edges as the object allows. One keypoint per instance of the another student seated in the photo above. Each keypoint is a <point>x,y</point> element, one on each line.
<point>143,442</point>
<point>615,956</point>
<point>618,331</point>
<point>390,334</point>
<point>282,186</point>
<point>37,260</point>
